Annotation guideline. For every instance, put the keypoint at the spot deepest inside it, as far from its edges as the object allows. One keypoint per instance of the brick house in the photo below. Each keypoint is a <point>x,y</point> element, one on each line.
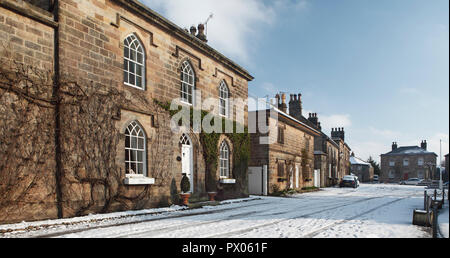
<point>363,170</point>
<point>127,47</point>
<point>290,159</point>
<point>407,162</point>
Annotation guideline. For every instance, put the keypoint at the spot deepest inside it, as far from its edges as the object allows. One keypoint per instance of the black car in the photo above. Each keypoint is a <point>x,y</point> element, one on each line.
<point>349,181</point>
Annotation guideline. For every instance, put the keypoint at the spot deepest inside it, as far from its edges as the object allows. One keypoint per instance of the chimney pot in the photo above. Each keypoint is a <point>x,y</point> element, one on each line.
<point>193,30</point>
<point>201,33</point>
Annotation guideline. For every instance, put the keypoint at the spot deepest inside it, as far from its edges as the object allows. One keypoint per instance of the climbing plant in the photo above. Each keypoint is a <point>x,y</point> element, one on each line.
<point>210,142</point>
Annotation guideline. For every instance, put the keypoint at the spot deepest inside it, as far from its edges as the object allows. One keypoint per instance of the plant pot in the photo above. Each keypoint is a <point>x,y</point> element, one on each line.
<point>212,196</point>
<point>185,197</point>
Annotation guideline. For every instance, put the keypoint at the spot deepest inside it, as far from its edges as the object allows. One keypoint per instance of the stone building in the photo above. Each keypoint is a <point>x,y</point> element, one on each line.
<point>331,154</point>
<point>326,154</point>
<point>290,158</point>
<point>407,162</point>
<point>125,156</point>
<point>363,170</point>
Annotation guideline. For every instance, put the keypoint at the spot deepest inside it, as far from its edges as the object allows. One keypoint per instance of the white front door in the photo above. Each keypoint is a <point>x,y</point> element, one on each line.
<point>255,181</point>
<point>187,164</point>
<point>291,175</point>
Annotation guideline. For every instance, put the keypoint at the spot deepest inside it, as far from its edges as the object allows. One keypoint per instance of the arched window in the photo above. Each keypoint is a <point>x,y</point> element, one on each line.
<point>134,62</point>
<point>135,150</point>
<point>224,160</point>
<point>187,83</point>
<point>223,99</point>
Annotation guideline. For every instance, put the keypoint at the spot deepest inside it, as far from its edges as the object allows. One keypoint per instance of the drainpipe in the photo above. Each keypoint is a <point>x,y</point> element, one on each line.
<point>57,102</point>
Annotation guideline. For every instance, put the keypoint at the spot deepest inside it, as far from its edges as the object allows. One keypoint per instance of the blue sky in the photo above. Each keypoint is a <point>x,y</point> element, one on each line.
<point>377,68</point>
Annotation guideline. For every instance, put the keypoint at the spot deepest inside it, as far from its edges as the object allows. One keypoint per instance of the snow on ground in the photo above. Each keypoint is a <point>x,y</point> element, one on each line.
<point>378,211</point>
<point>443,220</point>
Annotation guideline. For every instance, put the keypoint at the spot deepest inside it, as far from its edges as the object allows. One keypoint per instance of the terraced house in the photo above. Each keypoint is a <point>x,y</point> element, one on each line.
<point>87,86</point>
<point>289,156</point>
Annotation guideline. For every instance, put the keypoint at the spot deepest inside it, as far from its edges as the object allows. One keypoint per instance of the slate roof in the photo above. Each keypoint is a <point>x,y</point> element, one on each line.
<point>409,150</point>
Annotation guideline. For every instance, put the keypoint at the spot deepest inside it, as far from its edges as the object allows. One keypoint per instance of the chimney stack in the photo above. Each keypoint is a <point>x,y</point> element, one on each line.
<point>424,145</point>
<point>338,133</point>
<point>313,119</point>
<point>201,33</point>
<point>394,146</point>
<point>283,106</point>
<point>295,106</point>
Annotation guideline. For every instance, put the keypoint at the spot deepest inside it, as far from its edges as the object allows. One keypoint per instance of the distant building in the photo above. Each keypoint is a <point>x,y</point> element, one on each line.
<point>363,170</point>
<point>338,135</point>
<point>407,162</point>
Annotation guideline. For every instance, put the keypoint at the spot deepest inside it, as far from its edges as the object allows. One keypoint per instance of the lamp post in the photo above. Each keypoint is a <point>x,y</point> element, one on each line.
<point>441,183</point>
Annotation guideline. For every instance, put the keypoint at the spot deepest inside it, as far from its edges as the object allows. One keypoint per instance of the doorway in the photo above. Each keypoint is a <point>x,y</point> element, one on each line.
<point>187,160</point>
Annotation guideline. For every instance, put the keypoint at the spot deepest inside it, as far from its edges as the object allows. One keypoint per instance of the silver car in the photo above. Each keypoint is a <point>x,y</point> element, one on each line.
<point>411,181</point>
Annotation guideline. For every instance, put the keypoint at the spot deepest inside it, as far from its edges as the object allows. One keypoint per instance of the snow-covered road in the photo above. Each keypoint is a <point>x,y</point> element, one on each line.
<point>380,211</point>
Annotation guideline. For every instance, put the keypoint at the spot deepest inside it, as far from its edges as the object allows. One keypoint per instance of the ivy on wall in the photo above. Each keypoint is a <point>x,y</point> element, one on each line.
<point>210,143</point>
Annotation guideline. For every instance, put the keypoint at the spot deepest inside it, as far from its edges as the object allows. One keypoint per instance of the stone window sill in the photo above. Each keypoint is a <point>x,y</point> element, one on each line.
<point>132,179</point>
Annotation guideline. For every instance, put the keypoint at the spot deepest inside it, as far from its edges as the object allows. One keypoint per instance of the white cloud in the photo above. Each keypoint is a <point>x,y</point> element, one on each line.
<point>373,149</point>
<point>334,121</point>
<point>235,25</point>
<point>384,133</point>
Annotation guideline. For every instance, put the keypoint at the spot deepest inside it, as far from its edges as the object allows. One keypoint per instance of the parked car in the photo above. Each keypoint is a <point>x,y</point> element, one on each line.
<point>445,185</point>
<point>349,181</point>
<point>376,178</point>
<point>411,181</point>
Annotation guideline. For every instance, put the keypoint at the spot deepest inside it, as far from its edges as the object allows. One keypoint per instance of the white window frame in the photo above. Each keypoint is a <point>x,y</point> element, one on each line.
<point>421,161</point>
<point>224,160</point>
<point>132,45</point>
<point>224,96</point>
<point>187,81</point>
<point>135,131</point>
<point>406,162</point>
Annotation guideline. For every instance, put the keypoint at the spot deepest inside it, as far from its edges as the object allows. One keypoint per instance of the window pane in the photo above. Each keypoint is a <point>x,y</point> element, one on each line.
<point>133,167</point>
<point>133,155</point>
<point>134,142</point>
<point>139,70</point>
<point>127,52</point>
<point>139,81</point>
<point>125,76</point>
<point>132,79</point>
<point>140,144</point>
<point>140,156</point>
<point>140,168</point>
<point>127,141</point>
<point>132,67</point>
<point>140,58</point>
<point>127,155</point>
<point>133,55</point>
